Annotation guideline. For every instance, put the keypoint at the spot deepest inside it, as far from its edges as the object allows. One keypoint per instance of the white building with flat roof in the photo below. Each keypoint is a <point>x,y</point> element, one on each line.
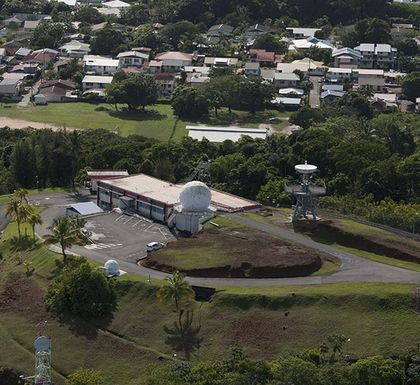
<point>220,134</point>
<point>92,82</point>
<point>99,65</point>
<point>156,199</point>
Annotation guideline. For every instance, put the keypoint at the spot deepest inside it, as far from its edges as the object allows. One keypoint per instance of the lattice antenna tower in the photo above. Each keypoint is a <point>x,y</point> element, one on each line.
<point>305,192</point>
<point>42,347</point>
<point>201,172</point>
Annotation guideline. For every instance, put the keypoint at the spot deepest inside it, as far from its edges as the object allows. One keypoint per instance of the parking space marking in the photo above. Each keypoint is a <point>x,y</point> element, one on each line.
<point>95,246</point>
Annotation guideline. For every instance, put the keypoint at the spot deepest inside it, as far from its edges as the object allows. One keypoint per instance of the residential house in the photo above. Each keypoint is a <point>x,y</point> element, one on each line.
<point>220,62</point>
<point>155,66</point>
<point>70,3</point>
<point>292,92</point>
<point>3,54</point>
<point>197,76</point>
<point>165,81</point>
<point>301,45</point>
<point>346,58</point>
<point>305,66</point>
<point>252,69</point>
<point>173,61</point>
<point>417,107</point>
<point>332,87</point>
<point>74,48</point>
<point>196,79</point>
<point>31,25</point>
<point>13,22</point>
<point>99,65</point>
<point>44,57</point>
<point>220,30</point>
<point>399,31</point>
<point>93,82</point>
<point>329,96</point>
<point>57,90</point>
<point>22,52</point>
<point>386,56</point>
<point>338,75</point>
<point>371,78</point>
<point>285,80</point>
<point>377,55</point>
<point>264,57</point>
<point>132,59</point>
<point>116,4</point>
<point>11,88</point>
<point>99,27</point>
<point>389,101</point>
<point>287,102</point>
<point>299,33</point>
<point>253,31</point>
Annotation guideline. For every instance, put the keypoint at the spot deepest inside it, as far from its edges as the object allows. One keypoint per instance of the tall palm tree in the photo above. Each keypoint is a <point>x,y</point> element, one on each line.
<point>34,219</point>
<point>67,233</point>
<point>24,211</point>
<point>175,289</point>
<point>13,211</point>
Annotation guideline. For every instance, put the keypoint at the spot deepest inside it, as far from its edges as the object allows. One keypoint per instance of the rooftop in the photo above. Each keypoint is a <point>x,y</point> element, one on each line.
<point>220,134</point>
<point>97,79</point>
<point>174,55</point>
<point>168,193</point>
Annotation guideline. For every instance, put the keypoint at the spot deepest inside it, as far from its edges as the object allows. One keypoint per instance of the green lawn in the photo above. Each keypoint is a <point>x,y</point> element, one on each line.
<point>157,121</point>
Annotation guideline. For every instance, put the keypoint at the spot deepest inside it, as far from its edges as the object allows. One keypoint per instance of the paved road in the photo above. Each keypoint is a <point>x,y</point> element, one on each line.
<point>352,269</point>
<point>315,92</point>
<point>26,98</point>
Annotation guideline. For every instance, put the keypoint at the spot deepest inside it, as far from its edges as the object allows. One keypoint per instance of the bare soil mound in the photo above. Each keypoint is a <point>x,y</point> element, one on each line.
<point>241,254</point>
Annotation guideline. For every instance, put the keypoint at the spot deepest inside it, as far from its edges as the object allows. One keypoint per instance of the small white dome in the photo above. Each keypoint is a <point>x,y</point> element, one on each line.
<point>195,197</point>
<point>112,267</point>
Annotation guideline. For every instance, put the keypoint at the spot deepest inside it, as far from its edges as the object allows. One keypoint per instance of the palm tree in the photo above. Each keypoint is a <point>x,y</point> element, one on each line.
<point>67,233</point>
<point>21,194</point>
<point>13,211</point>
<point>175,289</point>
<point>34,219</point>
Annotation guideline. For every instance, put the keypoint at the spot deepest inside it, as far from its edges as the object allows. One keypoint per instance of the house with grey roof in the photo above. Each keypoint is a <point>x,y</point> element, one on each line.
<point>381,56</point>
<point>11,88</point>
<point>74,48</point>
<point>346,58</point>
<point>252,69</point>
<point>220,30</point>
<point>285,80</point>
<point>132,59</point>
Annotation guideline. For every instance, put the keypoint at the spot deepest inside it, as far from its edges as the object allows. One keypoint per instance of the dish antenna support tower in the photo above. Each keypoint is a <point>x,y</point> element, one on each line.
<point>305,192</point>
<point>42,347</point>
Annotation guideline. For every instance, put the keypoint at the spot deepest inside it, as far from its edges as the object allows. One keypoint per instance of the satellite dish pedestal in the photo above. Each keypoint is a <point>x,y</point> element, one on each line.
<point>305,193</point>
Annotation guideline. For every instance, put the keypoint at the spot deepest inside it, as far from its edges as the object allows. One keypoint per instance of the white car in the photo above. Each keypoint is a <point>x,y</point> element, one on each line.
<point>152,246</point>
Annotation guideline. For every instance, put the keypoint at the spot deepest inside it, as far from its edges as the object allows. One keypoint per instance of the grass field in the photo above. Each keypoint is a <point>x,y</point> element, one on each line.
<point>157,121</point>
<point>378,318</point>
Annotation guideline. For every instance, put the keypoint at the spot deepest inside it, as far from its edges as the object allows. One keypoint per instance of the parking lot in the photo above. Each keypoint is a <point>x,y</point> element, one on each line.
<point>114,236</point>
<point>123,237</point>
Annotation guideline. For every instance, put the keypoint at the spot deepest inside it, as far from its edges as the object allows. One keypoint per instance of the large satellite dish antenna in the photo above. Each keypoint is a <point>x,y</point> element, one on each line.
<point>42,344</point>
<point>305,168</point>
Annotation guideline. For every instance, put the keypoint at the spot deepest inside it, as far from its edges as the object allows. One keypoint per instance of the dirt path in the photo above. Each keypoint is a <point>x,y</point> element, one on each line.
<point>20,124</point>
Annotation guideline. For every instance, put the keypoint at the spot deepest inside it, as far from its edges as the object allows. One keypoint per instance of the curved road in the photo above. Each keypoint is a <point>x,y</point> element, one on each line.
<point>352,269</point>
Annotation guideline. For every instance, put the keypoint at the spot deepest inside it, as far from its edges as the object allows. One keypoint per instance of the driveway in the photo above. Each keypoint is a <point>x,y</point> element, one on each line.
<point>26,98</point>
<point>123,238</point>
<point>315,92</point>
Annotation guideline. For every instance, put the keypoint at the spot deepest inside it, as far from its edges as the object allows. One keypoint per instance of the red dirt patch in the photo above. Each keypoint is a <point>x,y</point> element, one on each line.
<point>249,253</point>
<point>21,295</point>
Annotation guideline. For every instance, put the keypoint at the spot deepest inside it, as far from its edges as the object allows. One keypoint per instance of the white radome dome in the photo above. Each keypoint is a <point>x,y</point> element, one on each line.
<point>112,267</point>
<point>195,197</point>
